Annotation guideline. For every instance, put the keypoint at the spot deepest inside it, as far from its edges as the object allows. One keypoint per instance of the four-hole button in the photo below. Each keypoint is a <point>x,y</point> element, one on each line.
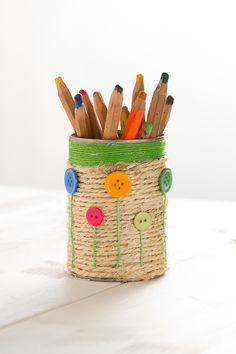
<point>118,184</point>
<point>71,180</point>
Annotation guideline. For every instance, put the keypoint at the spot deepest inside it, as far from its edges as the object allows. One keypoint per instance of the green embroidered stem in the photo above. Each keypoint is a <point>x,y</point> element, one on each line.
<point>164,225</point>
<point>141,247</point>
<point>71,232</point>
<point>94,245</point>
<point>118,233</point>
<point>92,154</point>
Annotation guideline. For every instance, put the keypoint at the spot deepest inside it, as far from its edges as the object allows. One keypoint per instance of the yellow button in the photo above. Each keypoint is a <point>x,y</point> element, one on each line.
<point>118,184</point>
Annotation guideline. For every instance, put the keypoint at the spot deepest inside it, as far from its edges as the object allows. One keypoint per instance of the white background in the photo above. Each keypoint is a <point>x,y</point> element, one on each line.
<point>94,45</point>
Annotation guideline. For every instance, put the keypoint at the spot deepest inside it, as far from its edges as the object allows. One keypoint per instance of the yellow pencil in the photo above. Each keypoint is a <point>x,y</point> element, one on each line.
<point>113,114</point>
<point>123,118</point>
<point>139,86</point>
<point>66,100</point>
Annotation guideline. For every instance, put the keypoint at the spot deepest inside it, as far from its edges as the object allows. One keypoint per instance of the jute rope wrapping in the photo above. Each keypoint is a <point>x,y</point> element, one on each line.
<point>145,195</point>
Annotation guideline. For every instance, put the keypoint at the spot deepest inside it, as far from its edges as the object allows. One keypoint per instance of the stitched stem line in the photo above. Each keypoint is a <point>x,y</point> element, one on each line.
<point>71,232</point>
<point>118,233</point>
<point>141,247</point>
<point>94,245</point>
<point>164,225</point>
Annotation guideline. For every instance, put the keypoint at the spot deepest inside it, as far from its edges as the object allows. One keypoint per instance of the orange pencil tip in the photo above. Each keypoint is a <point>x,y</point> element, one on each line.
<point>58,80</point>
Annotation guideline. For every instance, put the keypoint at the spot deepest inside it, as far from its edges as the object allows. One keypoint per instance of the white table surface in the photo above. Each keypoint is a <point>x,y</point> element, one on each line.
<point>192,309</point>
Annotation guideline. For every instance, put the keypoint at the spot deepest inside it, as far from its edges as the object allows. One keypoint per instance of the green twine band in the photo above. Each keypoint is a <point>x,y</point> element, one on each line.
<point>94,245</point>
<point>118,233</point>
<point>71,232</point>
<point>85,153</point>
<point>141,247</point>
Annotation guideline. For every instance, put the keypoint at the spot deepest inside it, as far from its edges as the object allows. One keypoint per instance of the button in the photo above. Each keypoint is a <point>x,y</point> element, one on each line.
<point>71,180</point>
<point>118,184</point>
<point>94,216</point>
<point>142,221</point>
<point>165,180</point>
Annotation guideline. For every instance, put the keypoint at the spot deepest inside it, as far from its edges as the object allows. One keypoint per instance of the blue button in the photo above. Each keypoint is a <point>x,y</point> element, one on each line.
<point>71,180</point>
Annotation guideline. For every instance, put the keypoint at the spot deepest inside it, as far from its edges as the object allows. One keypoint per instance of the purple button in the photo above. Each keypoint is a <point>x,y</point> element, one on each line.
<point>94,216</point>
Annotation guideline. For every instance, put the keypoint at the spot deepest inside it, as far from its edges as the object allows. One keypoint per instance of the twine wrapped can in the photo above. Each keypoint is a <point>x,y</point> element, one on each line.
<point>117,208</point>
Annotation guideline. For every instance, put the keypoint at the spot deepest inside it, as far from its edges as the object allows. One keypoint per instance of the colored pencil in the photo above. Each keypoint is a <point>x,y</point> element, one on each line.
<point>139,86</point>
<point>153,104</point>
<point>82,123</point>
<point>166,114</point>
<point>135,117</point>
<point>159,105</point>
<point>145,130</point>
<point>113,114</point>
<point>66,100</point>
<point>100,108</point>
<point>94,122</point>
<point>123,118</point>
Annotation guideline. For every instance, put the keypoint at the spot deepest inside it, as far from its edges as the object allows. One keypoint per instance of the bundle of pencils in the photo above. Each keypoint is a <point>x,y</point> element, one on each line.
<point>96,121</point>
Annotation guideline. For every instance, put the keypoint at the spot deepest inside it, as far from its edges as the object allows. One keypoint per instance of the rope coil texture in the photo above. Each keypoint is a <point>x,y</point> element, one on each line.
<point>100,263</point>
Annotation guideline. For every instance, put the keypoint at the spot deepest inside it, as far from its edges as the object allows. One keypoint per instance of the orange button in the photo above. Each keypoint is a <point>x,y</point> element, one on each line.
<point>118,184</point>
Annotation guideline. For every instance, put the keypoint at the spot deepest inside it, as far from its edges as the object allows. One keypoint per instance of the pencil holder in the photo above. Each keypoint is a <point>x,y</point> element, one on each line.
<point>116,208</point>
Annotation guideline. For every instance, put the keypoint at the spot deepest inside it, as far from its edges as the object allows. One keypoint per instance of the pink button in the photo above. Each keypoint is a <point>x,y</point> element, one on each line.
<point>94,216</point>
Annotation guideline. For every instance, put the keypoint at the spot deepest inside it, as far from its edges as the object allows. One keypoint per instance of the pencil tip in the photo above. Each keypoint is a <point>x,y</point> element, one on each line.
<point>58,80</point>
<point>118,88</point>
<point>165,77</point>
<point>82,92</point>
<point>170,100</point>
<point>139,77</point>
<point>148,126</point>
<point>142,95</point>
<point>78,101</point>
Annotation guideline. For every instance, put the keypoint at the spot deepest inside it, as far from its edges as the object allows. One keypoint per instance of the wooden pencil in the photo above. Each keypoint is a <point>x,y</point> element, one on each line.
<point>123,118</point>
<point>82,123</point>
<point>100,108</point>
<point>139,86</point>
<point>135,117</point>
<point>66,100</point>
<point>159,105</point>
<point>166,114</point>
<point>94,122</point>
<point>113,114</point>
<point>153,104</point>
<point>145,130</point>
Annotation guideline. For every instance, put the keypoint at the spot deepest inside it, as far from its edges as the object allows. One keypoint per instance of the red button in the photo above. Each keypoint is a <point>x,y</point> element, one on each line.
<point>94,216</point>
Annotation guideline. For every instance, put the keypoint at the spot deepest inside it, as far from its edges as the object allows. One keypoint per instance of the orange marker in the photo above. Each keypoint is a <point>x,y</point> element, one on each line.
<point>135,117</point>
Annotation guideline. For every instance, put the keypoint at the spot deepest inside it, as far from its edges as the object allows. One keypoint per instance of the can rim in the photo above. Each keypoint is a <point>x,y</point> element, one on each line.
<point>73,137</point>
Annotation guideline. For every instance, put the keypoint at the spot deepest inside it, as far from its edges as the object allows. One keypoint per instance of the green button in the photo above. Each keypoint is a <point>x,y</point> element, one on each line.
<point>142,221</point>
<point>165,180</point>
